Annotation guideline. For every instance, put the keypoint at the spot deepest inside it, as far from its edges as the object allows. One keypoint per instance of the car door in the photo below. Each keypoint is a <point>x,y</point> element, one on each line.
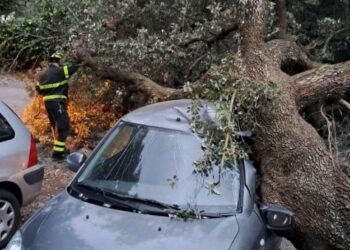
<point>13,150</point>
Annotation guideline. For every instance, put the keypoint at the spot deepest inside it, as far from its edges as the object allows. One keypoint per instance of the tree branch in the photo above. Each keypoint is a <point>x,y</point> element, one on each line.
<point>73,14</point>
<point>131,80</point>
<point>251,23</point>
<point>112,23</point>
<point>281,19</point>
<point>194,64</point>
<point>325,46</point>
<point>313,44</point>
<point>281,50</point>
<point>14,62</point>
<point>251,15</point>
<point>212,39</point>
<point>324,82</point>
<point>345,103</point>
<point>138,81</point>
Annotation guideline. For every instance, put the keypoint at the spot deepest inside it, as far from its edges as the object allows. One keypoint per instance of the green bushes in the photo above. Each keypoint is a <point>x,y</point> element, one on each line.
<point>29,38</point>
<point>23,42</point>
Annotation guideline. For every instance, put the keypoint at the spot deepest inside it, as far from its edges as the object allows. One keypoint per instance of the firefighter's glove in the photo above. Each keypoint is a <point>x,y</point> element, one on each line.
<point>37,88</point>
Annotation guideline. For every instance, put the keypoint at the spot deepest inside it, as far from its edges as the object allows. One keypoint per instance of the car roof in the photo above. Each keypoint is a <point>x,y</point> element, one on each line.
<point>170,115</point>
<point>5,108</point>
<point>8,113</point>
<point>12,118</point>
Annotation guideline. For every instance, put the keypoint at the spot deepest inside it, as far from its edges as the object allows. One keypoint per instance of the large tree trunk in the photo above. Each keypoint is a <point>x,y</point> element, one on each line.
<point>299,173</point>
<point>297,169</point>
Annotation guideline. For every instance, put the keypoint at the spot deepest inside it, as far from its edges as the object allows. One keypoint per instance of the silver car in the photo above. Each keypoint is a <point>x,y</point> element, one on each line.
<point>20,173</point>
<point>139,190</point>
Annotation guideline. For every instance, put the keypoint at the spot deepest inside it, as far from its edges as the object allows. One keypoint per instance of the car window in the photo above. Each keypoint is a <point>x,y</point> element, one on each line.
<point>6,132</point>
<point>157,164</point>
<point>117,143</point>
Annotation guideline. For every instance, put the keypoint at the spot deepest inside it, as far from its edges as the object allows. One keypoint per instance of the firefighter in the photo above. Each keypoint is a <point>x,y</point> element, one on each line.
<point>52,85</point>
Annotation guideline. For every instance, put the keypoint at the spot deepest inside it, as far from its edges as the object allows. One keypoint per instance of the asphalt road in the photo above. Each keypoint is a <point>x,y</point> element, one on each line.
<point>13,93</point>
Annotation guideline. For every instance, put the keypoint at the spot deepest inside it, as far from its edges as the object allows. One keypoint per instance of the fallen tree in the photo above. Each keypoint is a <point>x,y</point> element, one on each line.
<point>298,170</point>
<point>269,78</point>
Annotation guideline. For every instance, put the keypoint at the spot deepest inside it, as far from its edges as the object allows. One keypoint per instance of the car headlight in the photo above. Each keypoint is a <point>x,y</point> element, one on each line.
<point>15,242</point>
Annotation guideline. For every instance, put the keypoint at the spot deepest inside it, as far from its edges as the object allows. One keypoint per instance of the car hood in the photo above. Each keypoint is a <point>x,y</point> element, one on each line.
<point>69,223</point>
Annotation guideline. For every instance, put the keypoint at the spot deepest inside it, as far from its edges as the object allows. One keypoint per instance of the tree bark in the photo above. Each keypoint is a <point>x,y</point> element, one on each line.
<point>282,24</point>
<point>251,48</point>
<point>281,51</point>
<point>324,82</point>
<point>297,169</point>
<point>132,81</point>
<point>299,172</point>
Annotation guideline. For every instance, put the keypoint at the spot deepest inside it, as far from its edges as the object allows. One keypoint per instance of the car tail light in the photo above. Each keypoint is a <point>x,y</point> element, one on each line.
<point>33,155</point>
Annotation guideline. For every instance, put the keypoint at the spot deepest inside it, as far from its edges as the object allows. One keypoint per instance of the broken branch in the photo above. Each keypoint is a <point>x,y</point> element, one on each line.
<point>344,103</point>
<point>325,82</point>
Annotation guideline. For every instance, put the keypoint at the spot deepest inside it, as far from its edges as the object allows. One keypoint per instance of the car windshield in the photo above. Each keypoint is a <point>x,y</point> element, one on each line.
<point>157,164</point>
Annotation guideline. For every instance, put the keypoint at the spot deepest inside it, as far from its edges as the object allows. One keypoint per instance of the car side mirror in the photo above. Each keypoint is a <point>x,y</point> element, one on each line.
<point>277,218</point>
<point>75,160</point>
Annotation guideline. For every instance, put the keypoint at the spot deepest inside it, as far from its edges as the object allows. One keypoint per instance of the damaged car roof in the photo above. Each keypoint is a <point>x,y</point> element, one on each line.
<point>170,115</point>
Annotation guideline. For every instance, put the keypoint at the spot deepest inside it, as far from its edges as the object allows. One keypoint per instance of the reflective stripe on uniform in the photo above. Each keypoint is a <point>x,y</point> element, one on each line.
<point>59,143</point>
<point>58,149</point>
<point>66,73</point>
<point>53,97</point>
<point>53,85</point>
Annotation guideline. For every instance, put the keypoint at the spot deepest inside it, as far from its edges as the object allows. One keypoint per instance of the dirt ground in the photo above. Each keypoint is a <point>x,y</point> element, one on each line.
<point>56,178</point>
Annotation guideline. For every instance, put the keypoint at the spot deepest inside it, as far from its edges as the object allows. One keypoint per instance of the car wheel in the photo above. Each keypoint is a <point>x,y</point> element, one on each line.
<point>9,216</point>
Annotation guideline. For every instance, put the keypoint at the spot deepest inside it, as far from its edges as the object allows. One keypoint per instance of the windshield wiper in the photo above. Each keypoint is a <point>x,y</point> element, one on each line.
<point>106,195</point>
<point>148,202</point>
<point>154,203</point>
<point>130,200</point>
<point>204,214</point>
<point>115,199</point>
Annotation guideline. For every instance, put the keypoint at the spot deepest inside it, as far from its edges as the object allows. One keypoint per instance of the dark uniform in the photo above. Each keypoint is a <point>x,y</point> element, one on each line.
<point>53,86</point>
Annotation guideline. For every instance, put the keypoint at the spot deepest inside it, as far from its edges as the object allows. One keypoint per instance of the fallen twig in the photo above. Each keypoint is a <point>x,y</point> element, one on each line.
<point>345,103</point>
